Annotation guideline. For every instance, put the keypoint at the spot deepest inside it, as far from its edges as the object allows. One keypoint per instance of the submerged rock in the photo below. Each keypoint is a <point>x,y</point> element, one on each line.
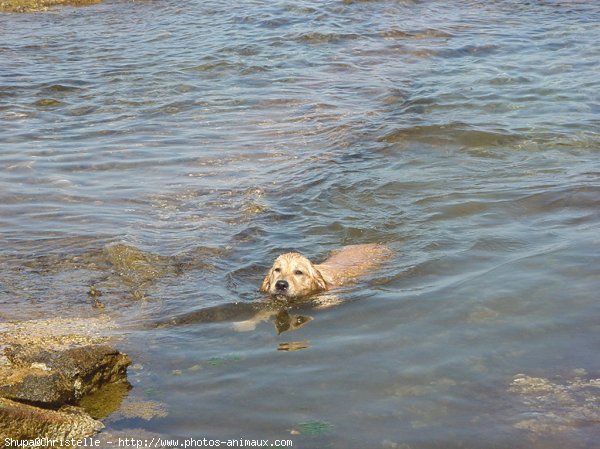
<point>105,401</point>
<point>115,272</point>
<point>137,267</point>
<point>553,411</point>
<point>142,409</point>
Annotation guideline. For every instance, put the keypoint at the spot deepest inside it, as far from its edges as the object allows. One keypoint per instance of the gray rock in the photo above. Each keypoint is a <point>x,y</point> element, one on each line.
<point>35,386</point>
<point>53,378</point>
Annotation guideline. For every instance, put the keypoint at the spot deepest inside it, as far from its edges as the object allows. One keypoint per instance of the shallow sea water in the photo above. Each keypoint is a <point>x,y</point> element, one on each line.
<point>164,153</point>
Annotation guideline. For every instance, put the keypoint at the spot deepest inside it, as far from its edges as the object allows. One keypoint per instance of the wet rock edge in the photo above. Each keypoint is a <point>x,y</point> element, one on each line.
<point>43,377</point>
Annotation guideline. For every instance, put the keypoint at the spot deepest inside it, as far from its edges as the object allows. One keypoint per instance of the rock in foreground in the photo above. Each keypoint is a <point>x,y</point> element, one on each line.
<point>22,422</point>
<point>54,377</point>
<point>46,367</point>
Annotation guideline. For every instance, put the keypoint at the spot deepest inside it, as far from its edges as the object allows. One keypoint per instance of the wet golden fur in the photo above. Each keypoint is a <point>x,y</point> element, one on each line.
<point>305,278</point>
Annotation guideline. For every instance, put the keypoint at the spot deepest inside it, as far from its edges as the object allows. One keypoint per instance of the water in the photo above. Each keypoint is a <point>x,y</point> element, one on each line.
<point>165,153</point>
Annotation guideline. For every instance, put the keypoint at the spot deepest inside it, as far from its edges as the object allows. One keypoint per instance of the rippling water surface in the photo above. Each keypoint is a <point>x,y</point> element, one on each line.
<point>165,152</point>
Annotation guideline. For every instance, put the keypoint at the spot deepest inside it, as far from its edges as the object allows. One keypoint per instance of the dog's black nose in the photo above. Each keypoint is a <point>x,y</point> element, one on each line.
<point>281,286</point>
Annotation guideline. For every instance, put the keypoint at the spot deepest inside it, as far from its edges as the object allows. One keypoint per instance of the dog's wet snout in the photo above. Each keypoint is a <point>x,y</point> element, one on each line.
<point>281,286</point>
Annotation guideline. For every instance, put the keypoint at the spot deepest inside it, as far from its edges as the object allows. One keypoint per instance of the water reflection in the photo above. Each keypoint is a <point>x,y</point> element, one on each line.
<point>245,316</point>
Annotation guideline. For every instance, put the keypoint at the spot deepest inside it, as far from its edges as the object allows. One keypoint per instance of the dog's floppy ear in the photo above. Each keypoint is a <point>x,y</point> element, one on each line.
<point>266,284</point>
<point>318,279</point>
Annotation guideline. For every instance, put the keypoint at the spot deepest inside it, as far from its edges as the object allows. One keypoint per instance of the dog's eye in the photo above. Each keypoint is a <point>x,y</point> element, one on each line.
<point>276,270</point>
<point>298,273</point>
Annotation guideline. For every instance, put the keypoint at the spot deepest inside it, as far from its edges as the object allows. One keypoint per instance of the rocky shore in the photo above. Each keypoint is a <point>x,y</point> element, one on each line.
<point>39,5</point>
<point>46,368</point>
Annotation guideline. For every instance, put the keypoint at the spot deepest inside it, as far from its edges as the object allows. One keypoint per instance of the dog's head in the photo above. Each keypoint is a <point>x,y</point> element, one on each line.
<point>293,275</point>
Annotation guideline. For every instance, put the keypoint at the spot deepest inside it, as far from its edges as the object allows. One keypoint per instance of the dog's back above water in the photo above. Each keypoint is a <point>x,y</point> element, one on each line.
<point>293,275</point>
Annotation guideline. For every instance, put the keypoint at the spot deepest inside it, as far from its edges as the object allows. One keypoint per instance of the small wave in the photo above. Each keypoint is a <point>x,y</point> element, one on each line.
<point>324,38</point>
<point>48,103</point>
<point>576,197</point>
<point>468,50</point>
<point>395,33</point>
<point>215,65</point>
<point>63,87</point>
<point>452,133</point>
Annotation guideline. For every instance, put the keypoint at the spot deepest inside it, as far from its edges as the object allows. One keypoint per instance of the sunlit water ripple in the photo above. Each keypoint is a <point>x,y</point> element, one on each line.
<point>197,141</point>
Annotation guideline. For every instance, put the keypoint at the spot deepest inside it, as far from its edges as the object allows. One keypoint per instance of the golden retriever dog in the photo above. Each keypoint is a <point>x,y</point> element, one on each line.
<point>293,275</point>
